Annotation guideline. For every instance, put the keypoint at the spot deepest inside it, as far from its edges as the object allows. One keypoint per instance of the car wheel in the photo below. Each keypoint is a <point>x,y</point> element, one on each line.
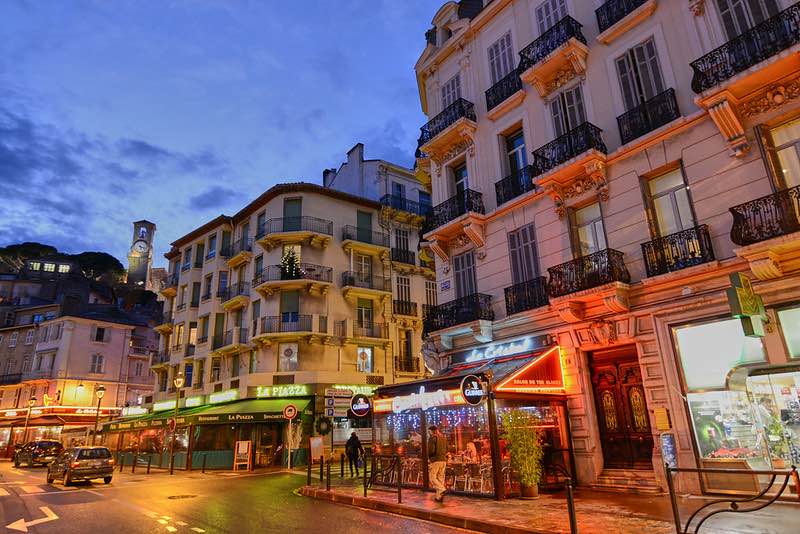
<point>66,481</point>
<point>16,462</point>
<point>30,462</point>
<point>107,480</point>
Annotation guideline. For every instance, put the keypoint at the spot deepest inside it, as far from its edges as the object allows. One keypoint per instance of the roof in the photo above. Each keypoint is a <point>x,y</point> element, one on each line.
<point>109,314</point>
<point>197,232</point>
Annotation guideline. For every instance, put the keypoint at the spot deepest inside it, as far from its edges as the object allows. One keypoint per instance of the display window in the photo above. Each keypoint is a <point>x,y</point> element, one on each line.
<point>401,434</point>
<point>789,320</point>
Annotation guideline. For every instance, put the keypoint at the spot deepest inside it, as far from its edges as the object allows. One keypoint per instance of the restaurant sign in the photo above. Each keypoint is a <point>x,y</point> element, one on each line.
<point>285,390</point>
<point>473,390</point>
<point>421,400</point>
<point>508,348</point>
<point>541,375</point>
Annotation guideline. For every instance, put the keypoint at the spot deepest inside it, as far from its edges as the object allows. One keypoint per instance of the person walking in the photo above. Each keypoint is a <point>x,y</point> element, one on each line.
<point>437,460</point>
<point>354,450</point>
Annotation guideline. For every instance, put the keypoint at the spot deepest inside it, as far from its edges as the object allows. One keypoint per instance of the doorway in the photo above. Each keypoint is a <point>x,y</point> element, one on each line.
<point>622,416</point>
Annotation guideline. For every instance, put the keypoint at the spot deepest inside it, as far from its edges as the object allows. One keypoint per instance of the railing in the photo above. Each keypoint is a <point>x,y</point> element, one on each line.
<point>194,304</point>
<point>227,338</point>
<point>206,296</point>
<point>340,328</point>
<point>212,253</point>
<point>514,185</point>
<point>189,350</point>
<point>218,341</point>
<point>166,318</point>
<point>375,330</point>
<point>403,256</point>
<point>170,281</point>
<point>177,347</point>
<point>198,263</point>
<point>139,350</point>
<point>453,207</point>
<point>295,224</point>
<point>278,324</point>
<point>561,32</point>
<point>185,267</point>
<point>234,290</point>
<point>649,115</point>
<point>460,109</point>
<point>678,251</point>
<point>766,217</point>
<point>526,295</point>
<point>403,204</point>
<point>159,357</point>
<point>459,311</point>
<point>405,307</point>
<point>202,340</point>
<point>584,137</point>
<point>225,251</point>
<point>586,272</point>
<point>14,378</point>
<point>222,293</point>
<point>307,271</point>
<point>365,235</point>
<point>405,364</point>
<point>496,94</point>
<point>614,11</point>
<point>180,307</point>
<point>245,244</point>
<point>380,283</point>
<point>750,48</point>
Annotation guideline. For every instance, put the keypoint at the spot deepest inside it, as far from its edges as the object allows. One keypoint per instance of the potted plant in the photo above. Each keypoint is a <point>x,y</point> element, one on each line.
<point>525,446</point>
<point>778,446</point>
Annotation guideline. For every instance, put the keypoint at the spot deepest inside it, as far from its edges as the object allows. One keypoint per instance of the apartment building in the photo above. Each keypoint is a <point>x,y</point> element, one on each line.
<point>604,175</point>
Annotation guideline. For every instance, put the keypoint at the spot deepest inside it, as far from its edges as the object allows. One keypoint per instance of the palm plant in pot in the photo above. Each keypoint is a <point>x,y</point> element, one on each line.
<point>525,445</point>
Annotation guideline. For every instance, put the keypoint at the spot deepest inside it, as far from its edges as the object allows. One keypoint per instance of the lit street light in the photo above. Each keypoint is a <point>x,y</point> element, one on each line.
<point>100,391</point>
<point>31,402</point>
<point>178,382</point>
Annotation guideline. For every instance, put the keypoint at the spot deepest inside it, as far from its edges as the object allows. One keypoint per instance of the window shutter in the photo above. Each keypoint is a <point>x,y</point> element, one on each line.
<point>574,103</point>
<point>558,117</point>
<point>93,333</point>
<point>107,335</point>
<point>574,241</point>
<point>649,70</point>
<point>626,82</point>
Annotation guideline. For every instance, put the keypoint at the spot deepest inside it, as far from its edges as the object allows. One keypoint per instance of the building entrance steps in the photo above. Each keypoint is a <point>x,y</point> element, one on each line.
<point>628,481</point>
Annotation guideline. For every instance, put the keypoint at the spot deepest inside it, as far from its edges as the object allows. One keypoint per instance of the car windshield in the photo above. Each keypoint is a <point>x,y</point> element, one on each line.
<point>91,454</point>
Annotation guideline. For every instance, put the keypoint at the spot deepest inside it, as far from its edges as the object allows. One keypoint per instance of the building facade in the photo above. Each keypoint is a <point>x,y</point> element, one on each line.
<point>599,172</point>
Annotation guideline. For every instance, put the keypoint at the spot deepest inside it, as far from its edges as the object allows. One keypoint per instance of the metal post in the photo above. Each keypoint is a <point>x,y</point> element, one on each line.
<point>321,467</point>
<point>97,420</point>
<point>328,477</point>
<point>25,431</point>
<point>203,469</point>
<point>133,466</point>
<point>121,462</point>
<point>308,466</point>
<point>399,480</point>
<point>149,461</point>
<point>341,465</point>
<point>573,520</point>
<point>365,474</point>
<point>672,500</point>
<point>174,434</point>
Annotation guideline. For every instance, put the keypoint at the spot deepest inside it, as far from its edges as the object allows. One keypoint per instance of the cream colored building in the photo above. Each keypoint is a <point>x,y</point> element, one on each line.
<point>599,170</point>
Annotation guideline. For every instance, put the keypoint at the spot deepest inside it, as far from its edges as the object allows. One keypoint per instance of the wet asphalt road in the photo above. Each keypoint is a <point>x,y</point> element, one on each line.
<point>184,503</point>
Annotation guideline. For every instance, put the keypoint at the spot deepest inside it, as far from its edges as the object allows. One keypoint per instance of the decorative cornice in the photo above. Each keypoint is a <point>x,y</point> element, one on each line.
<point>773,98</point>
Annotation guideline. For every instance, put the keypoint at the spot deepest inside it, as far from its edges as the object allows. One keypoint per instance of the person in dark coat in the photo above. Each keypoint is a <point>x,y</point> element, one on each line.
<point>354,450</point>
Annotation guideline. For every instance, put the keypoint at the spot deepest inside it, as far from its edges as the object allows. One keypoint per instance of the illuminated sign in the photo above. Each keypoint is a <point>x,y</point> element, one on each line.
<point>542,375</point>
<point>357,389</point>
<point>422,400</point>
<point>59,410</point>
<point>163,405</point>
<point>359,405</point>
<point>191,402</point>
<point>495,350</point>
<point>473,390</point>
<point>134,410</point>
<point>287,390</point>
<point>223,396</point>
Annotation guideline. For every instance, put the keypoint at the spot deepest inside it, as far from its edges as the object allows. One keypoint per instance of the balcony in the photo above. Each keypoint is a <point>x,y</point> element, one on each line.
<point>526,295</point>
<point>357,285</point>
<point>9,379</point>
<point>585,139</point>
<point>454,125</point>
<point>217,341</point>
<point>202,340</point>
<point>139,350</point>
<point>34,375</point>
<point>504,96</point>
<point>295,230</point>
<point>403,210</point>
<point>180,307</point>
<point>404,260</point>
<point>365,241</point>
<point>241,252</point>
<point>313,279</point>
<point>237,296</point>
<point>189,352</point>
<point>404,307</point>
<point>475,307</point>
<point>556,57</point>
<point>647,116</point>
<point>194,303</point>
<point>177,347</point>
<point>462,213</point>
<point>185,267</point>
<point>164,326</point>
<point>169,286</point>
<point>206,296</point>
<point>159,358</point>
<point>233,341</point>
<point>677,251</point>
<point>767,231</point>
<point>616,17</point>
<point>292,327</point>
<point>406,364</point>
<point>370,330</point>
<point>514,185</point>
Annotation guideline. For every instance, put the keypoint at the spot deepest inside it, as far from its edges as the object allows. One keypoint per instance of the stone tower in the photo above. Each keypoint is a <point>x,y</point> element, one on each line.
<point>140,257</point>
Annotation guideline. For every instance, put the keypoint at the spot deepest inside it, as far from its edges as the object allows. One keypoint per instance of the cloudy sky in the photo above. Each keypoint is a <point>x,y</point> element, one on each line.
<point>179,110</point>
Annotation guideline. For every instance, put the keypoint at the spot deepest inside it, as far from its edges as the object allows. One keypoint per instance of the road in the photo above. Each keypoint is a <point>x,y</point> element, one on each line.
<point>184,503</point>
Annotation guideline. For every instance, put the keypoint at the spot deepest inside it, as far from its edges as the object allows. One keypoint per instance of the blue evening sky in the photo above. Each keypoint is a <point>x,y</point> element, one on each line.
<point>179,110</point>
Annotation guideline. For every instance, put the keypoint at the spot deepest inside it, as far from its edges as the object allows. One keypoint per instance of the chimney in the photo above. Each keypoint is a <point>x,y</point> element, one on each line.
<point>328,176</point>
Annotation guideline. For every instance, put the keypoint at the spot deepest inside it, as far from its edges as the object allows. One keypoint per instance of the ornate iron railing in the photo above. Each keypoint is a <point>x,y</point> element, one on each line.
<point>750,48</point>
<point>245,244</point>
<point>587,272</point>
<point>614,11</point>
<point>514,185</point>
<point>234,290</point>
<point>526,295</point>
<point>206,296</point>
<point>649,115</point>
<point>170,281</point>
<point>460,109</point>
<point>218,340</point>
<point>404,256</point>
<point>766,217</point>
<point>459,311</point>
<point>295,224</point>
<point>561,32</point>
<point>180,307</point>
<point>189,350</point>
<point>166,318</point>
<point>580,139</point>
<point>356,279</point>
<point>365,235</point>
<point>404,364</point>
<point>405,307</point>
<point>375,330</point>
<point>678,251</point>
<point>306,271</point>
<point>507,86</point>
<point>16,378</point>
<point>277,324</point>
<point>453,207</point>
<point>404,204</point>
<point>160,357</point>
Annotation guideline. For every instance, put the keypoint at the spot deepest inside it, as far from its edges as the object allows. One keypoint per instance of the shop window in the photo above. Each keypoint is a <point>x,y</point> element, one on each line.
<point>49,267</point>
<point>790,325</point>
<point>63,269</point>
<point>364,359</point>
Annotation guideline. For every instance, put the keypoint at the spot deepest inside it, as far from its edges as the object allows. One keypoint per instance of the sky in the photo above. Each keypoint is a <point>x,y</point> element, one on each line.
<point>175,111</point>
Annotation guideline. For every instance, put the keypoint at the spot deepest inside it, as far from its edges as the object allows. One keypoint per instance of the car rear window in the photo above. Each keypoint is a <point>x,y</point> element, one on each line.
<point>50,447</point>
<point>93,454</point>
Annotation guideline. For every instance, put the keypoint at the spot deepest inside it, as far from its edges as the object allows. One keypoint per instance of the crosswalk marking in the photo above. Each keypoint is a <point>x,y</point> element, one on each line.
<point>171,529</point>
<point>197,529</point>
<point>3,492</point>
<point>32,489</point>
<point>180,523</point>
<point>163,521</point>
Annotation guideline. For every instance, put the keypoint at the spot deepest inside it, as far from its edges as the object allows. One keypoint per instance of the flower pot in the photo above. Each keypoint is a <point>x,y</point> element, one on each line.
<point>529,492</point>
<point>778,463</point>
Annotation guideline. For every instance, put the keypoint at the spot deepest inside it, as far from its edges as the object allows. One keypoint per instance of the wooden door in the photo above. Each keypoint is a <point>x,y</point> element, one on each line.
<point>622,416</point>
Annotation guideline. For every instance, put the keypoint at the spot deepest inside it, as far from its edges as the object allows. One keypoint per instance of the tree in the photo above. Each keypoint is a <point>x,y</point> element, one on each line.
<point>290,265</point>
<point>97,264</point>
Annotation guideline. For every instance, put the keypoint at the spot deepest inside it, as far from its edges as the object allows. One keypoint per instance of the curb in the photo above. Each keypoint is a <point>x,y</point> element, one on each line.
<point>408,511</point>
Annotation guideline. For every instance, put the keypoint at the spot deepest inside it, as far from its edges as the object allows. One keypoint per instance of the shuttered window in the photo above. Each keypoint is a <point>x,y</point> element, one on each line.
<point>464,268</point>
<point>738,16</point>
<point>501,58</point>
<point>401,239</point>
<point>430,293</point>
<point>451,91</point>
<point>567,110</point>
<point>639,74</point>
<point>404,288</point>
<point>549,12</point>
<point>522,250</point>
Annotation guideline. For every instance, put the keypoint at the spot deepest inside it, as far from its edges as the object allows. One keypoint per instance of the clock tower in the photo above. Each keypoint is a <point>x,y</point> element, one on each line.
<point>140,257</point>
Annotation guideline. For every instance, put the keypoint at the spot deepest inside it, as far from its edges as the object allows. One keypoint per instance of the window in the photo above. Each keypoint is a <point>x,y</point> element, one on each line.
<point>789,320</point>
<point>287,357</point>
<point>215,369</point>
<point>549,12</point>
<point>671,205</point>
<point>364,312</point>
<point>57,331</point>
<point>451,91</point>
<point>363,266</point>
<point>195,294</point>
<point>49,267</point>
<point>464,271</point>
<point>404,337</point>
<point>261,223</point>
<point>200,368</point>
<point>292,214</point>
<point>460,180</point>
<point>96,365</point>
<point>424,199</point>
<point>430,293</point>
<point>223,281</point>
<point>99,334</point>
<point>501,58</point>
<point>188,370</point>
<point>404,288</point>
<point>193,333</point>
<point>29,337</point>
<point>567,110</point>
<point>12,341</point>
<point>204,327</point>
<point>290,306</point>
<point>162,381</point>
<point>212,246</point>
<point>235,365</point>
<point>63,269</point>
<point>639,74</point>
<point>187,258</point>
<point>786,140</point>
<point>199,254</point>
<point>35,266</point>
<point>253,367</point>
<point>401,239</point>
<point>522,251</point>
<point>208,283</point>
<point>738,16</point>
<point>255,315</point>
<point>364,359</point>
<point>44,332</point>
<point>589,230</point>
<point>138,369</point>
<point>398,189</point>
<point>258,265</point>
<point>515,152</point>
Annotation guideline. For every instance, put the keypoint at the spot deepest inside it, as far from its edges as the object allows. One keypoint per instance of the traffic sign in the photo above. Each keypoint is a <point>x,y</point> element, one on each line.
<point>290,411</point>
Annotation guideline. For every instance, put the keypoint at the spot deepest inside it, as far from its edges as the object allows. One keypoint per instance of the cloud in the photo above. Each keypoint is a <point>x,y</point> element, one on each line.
<point>214,197</point>
<point>389,142</point>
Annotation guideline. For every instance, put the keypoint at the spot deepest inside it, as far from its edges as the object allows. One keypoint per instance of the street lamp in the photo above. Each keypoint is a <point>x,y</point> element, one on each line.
<point>31,402</point>
<point>178,382</point>
<point>100,391</point>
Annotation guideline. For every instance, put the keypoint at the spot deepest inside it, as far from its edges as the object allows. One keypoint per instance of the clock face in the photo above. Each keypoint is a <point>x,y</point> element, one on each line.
<point>140,246</point>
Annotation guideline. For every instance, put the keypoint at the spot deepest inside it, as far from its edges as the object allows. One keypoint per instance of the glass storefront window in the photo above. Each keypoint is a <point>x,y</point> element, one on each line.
<point>776,402</point>
<point>790,325</point>
<point>401,434</point>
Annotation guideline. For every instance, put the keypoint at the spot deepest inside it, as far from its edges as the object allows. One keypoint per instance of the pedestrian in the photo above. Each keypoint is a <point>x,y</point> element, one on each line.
<point>354,451</point>
<point>437,460</point>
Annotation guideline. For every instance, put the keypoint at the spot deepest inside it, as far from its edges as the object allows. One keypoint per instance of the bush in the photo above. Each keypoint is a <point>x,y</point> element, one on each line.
<point>525,445</point>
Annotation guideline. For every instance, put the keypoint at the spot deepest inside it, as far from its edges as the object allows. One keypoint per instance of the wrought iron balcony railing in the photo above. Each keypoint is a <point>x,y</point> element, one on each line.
<point>295,224</point>
<point>365,235</point>
<point>454,207</point>
<point>202,340</point>
<point>649,115</point>
<point>305,271</point>
<point>365,329</point>
<point>678,251</point>
<point>403,256</point>
<point>460,109</point>
<point>218,340</point>
<point>526,295</point>
<point>170,281</point>
<point>561,32</point>
<point>245,244</point>
<point>180,307</point>
<point>403,204</point>
<point>515,184</point>
<point>206,296</point>
<point>356,279</point>
<point>766,217</point>
<point>507,86</point>
<point>580,139</point>
<point>750,48</point>
<point>12,378</point>
<point>160,357</point>
<point>185,267</point>
<point>286,323</point>
<point>226,251</point>
<point>166,318</point>
<point>405,307</point>
<point>614,11</point>
<point>458,311</point>
<point>406,364</point>
<point>194,303</point>
<point>235,290</point>
<point>587,272</point>
<point>189,350</point>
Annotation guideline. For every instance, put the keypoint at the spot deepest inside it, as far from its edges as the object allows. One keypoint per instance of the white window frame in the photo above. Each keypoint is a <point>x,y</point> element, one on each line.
<point>403,284</point>
<point>450,91</point>
<point>29,337</point>
<point>539,10</point>
<point>431,296</point>
<point>97,363</point>
<point>500,57</point>
<point>12,340</point>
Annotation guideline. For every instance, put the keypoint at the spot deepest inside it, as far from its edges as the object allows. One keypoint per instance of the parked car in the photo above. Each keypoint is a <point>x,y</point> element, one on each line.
<point>37,452</point>
<point>81,463</point>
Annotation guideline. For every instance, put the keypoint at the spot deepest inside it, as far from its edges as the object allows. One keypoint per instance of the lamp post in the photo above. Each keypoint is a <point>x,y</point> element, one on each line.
<point>178,382</point>
<point>100,391</point>
<point>31,402</point>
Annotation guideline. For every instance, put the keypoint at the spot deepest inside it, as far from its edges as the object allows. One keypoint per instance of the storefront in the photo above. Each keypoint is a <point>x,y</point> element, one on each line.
<point>471,419</point>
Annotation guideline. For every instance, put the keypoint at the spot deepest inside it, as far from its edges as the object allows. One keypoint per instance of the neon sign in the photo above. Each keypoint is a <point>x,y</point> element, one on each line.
<point>543,375</point>
<point>288,390</point>
<point>422,400</point>
<point>223,396</point>
<point>163,405</point>
<point>194,401</point>
<point>495,350</point>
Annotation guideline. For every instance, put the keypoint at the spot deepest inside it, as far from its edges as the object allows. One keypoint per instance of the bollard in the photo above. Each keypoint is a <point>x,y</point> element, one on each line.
<point>133,465</point>
<point>321,467</point>
<point>399,481</point>
<point>308,479</point>
<point>149,461</point>
<point>573,521</point>
<point>341,464</point>
<point>328,477</point>
<point>203,469</point>
<point>365,477</point>
<point>121,463</point>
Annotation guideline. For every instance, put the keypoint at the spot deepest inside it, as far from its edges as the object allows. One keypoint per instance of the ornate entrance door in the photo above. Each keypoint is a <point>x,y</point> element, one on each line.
<point>621,409</point>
